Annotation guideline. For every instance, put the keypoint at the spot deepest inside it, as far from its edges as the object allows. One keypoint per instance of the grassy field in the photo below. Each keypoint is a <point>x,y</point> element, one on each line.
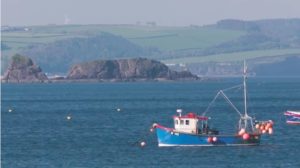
<point>164,38</point>
<point>237,56</point>
<point>187,38</point>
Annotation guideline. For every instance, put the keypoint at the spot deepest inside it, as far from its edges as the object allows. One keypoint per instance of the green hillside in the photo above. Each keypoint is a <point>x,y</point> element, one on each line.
<point>56,47</point>
<point>164,38</point>
<point>236,56</point>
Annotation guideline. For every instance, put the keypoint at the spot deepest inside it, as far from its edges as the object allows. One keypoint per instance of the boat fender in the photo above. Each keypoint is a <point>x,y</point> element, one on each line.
<point>215,139</point>
<point>262,127</point>
<point>242,132</point>
<point>154,125</point>
<point>272,122</point>
<point>209,140</point>
<point>270,131</point>
<point>268,125</point>
<point>246,136</point>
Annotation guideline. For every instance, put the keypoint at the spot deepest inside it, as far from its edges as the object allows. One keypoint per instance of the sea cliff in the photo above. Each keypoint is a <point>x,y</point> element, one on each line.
<point>126,70</point>
<point>23,70</point>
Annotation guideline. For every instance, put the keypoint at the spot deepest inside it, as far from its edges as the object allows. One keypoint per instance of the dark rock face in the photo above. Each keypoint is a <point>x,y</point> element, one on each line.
<point>126,69</point>
<point>22,69</point>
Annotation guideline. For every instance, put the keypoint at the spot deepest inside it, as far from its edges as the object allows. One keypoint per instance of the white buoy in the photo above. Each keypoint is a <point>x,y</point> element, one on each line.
<point>118,109</point>
<point>10,110</point>
<point>143,143</point>
<point>69,117</point>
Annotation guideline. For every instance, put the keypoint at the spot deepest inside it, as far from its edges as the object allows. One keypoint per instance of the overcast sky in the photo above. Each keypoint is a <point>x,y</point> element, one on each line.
<point>163,12</point>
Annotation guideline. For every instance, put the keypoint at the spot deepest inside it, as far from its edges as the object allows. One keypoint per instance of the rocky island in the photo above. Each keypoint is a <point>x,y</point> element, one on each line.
<point>23,70</point>
<point>136,69</point>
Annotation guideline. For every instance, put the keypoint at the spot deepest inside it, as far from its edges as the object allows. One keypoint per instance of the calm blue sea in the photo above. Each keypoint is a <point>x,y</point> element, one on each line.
<point>37,134</point>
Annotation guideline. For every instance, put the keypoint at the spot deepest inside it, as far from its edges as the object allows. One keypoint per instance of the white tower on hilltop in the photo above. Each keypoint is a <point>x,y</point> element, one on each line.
<point>67,20</point>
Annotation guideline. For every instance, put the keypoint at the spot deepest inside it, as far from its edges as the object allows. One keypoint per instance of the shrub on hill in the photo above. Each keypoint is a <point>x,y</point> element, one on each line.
<point>60,55</point>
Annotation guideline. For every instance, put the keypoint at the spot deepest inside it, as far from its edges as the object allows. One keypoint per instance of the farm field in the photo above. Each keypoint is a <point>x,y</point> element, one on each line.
<point>236,56</point>
<point>163,38</point>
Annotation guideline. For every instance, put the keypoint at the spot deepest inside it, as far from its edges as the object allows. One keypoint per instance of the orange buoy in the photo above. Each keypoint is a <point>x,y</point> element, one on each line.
<point>268,126</point>
<point>246,136</point>
<point>242,131</point>
<point>270,131</point>
<point>209,139</point>
<point>271,124</point>
<point>214,139</point>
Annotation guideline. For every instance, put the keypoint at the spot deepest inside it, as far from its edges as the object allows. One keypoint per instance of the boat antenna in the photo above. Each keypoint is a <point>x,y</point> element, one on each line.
<point>245,88</point>
<point>179,111</point>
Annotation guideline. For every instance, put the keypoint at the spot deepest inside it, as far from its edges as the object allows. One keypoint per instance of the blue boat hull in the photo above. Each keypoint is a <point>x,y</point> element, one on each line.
<point>167,137</point>
<point>292,119</point>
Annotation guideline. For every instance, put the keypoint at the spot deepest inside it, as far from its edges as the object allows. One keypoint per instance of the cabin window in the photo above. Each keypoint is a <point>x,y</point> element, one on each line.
<point>181,122</point>
<point>187,122</point>
<point>176,122</point>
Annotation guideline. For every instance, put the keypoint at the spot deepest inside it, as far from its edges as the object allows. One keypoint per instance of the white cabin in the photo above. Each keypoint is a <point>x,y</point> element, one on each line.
<point>187,123</point>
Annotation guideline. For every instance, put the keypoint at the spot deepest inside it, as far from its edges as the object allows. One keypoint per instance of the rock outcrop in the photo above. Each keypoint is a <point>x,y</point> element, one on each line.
<point>23,70</point>
<point>127,70</point>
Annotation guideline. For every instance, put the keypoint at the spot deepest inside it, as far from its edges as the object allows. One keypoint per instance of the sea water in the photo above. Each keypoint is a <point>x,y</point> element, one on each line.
<point>109,120</point>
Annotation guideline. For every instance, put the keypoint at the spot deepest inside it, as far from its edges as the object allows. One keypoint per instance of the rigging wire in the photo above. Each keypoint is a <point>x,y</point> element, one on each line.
<point>225,97</point>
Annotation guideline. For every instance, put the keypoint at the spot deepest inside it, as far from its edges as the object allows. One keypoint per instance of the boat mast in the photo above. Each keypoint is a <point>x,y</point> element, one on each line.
<point>246,117</point>
<point>245,88</point>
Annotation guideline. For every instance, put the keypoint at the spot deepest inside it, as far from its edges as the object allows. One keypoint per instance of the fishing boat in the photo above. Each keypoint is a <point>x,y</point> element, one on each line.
<point>194,130</point>
<point>292,117</point>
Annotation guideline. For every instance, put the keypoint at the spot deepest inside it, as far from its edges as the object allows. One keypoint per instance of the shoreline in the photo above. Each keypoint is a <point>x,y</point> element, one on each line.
<point>109,80</point>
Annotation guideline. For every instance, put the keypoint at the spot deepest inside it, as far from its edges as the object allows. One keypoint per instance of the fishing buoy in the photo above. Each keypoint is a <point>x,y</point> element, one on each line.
<point>209,139</point>
<point>151,129</point>
<point>263,131</point>
<point>268,126</point>
<point>246,136</point>
<point>242,131</point>
<point>143,143</point>
<point>214,139</point>
<point>69,117</point>
<point>262,127</point>
<point>257,126</point>
<point>10,110</point>
<point>118,109</point>
<point>270,131</point>
<point>271,122</point>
